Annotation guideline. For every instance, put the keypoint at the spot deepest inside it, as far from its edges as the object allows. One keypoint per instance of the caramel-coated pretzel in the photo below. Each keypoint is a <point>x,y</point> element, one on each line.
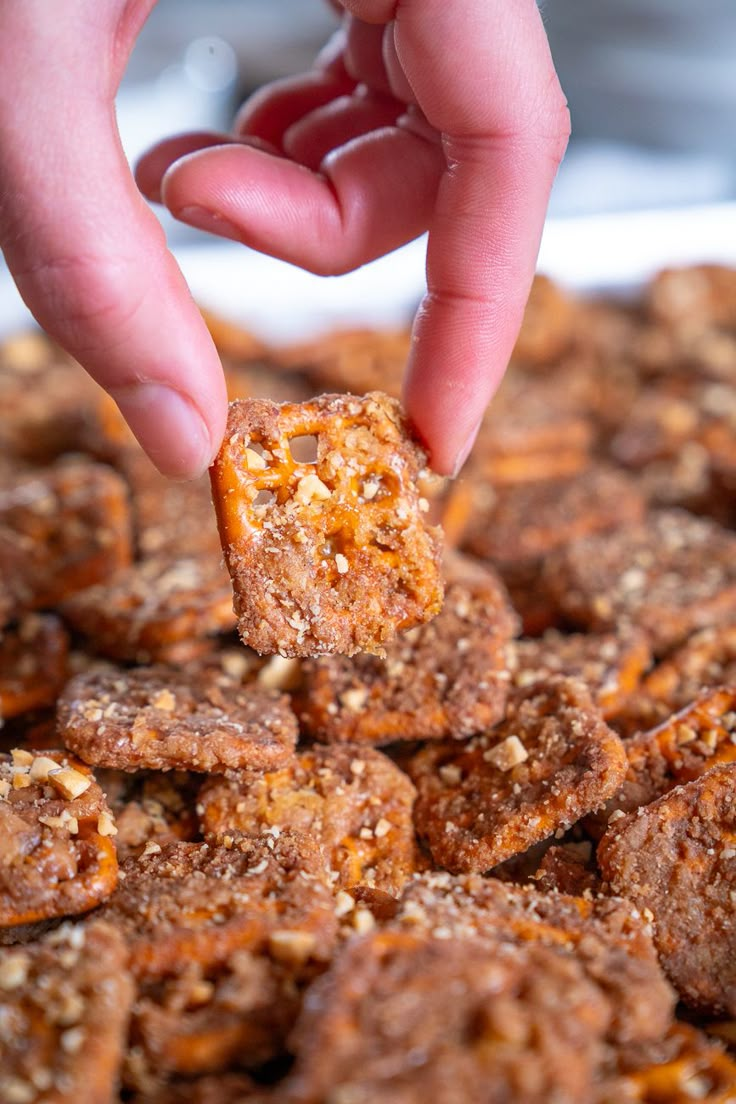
<point>338,558</point>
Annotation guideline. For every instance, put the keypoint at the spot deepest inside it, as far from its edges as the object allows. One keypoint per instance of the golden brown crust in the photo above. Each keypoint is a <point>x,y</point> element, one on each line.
<point>160,719</point>
<point>340,559</point>
<point>550,761</point>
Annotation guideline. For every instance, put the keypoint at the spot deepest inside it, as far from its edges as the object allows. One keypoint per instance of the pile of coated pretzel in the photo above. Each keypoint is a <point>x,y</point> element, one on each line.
<point>411,823</point>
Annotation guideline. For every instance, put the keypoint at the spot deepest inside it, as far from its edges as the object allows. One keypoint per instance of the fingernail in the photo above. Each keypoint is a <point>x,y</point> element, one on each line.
<point>465,451</point>
<point>202,219</point>
<point>169,427</point>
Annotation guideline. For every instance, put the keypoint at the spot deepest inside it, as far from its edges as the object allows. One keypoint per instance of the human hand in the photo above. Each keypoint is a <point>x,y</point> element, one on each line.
<point>472,158</point>
<point>444,115</point>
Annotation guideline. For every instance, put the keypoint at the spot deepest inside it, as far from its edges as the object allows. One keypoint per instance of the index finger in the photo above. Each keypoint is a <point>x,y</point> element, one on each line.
<point>482,73</point>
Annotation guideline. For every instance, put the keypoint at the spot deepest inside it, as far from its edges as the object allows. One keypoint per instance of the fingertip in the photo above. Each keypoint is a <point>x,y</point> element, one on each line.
<point>172,430</point>
<point>153,165</point>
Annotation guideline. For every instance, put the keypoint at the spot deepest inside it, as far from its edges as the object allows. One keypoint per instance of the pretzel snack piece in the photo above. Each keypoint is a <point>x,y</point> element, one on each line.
<point>332,555</point>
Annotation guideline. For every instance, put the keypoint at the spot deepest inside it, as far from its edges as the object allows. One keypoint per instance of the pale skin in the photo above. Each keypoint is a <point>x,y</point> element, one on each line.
<point>439,115</point>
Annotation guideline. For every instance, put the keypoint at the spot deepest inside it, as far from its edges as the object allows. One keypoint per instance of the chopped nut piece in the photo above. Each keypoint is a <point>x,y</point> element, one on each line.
<point>508,754</point>
<point>13,970</point>
<point>568,762</point>
<point>292,946</point>
<point>106,825</point>
<point>41,767</point>
<point>71,783</point>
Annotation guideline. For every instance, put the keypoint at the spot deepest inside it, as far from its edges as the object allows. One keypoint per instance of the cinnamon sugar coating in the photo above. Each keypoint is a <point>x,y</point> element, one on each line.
<point>186,903</point>
<point>670,575</point>
<point>677,859</point>
<point>64,1005</point>
<point>339,558</point>
<point>154,606</point>
<point>158,718</point>
<point>353,801</point>
<point>448,678</point>
<point>550,761</point>
<point>57,857</point>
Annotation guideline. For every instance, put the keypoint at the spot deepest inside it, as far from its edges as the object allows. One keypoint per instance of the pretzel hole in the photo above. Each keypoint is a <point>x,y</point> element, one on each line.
<point>304,449</point>
<point>264,498</point>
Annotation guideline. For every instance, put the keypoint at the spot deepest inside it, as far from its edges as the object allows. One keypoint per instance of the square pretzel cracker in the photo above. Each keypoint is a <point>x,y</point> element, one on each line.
<point>340,558</point>
<point>677,858</point>
<point>352,800</point>
<point>161,719</point>
<point>64,528</point>
<point>516,526</point>
<point>184,903</point>
<point>606,935</point>
<point>684,1066</point>
<point>525,521</point>
<point>610,664</point>
<point>408,1018</point>
<point>548,763</point>
<point>64,1005</point>
<point>670,575</point>
<point>680,749</point>
<point>33,664</point>
<point>706,659</point>
<point>156,606</point>
<point>448,678</point>
<point>57,856</point>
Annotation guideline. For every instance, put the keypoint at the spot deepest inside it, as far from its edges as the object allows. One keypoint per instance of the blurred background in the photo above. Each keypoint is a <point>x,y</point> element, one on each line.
<point>650,176</point>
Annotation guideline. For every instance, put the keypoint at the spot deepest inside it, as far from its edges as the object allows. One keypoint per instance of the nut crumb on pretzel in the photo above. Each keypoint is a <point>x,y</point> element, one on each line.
<point>334,554</point>
<point>159,718</point>
<point>64,1004</point>
<point>54,860</point>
